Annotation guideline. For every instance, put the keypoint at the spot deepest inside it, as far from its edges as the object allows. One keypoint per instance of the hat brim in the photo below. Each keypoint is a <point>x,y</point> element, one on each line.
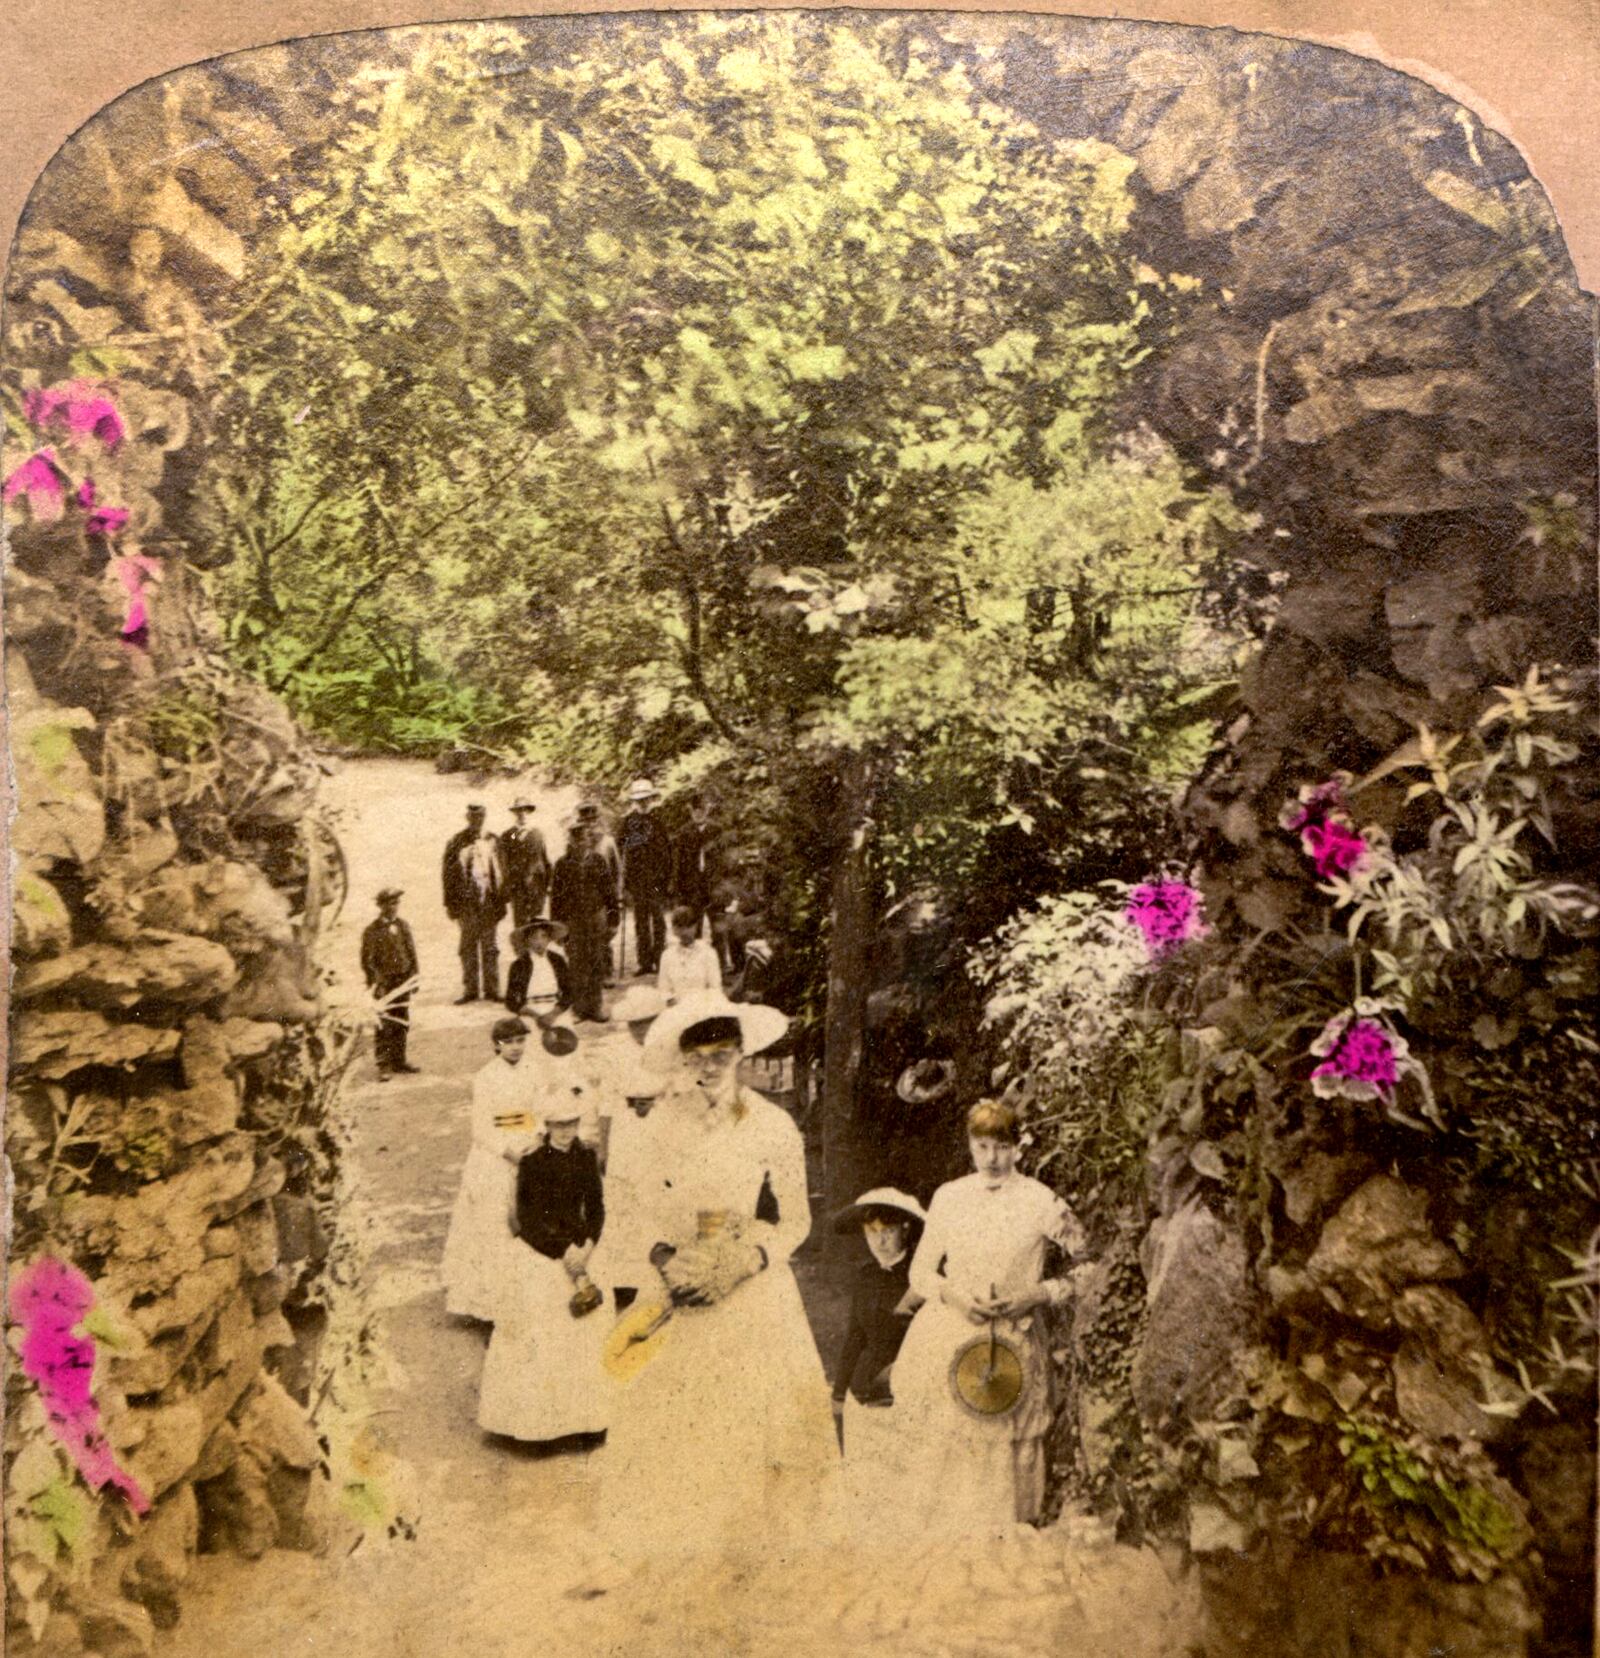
<point>555,930</point>
<point>759,1026</point>
<point>853,1214</point>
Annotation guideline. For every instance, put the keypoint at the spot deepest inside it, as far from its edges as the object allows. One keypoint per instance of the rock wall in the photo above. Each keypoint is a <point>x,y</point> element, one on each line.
<point>169,1061</point>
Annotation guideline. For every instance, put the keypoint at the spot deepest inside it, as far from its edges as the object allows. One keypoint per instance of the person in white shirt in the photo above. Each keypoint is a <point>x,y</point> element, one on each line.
<point>506,1117</point>
<point>981,1270</point>
<point>689,963</point>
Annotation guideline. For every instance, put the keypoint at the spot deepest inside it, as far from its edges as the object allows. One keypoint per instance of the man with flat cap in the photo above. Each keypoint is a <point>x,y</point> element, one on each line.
<point>525,861</point>
<point>475,899</point>
<point>389,965</point>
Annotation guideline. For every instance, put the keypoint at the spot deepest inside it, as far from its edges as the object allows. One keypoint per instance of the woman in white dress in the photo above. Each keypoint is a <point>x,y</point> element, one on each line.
<point>542,1378</point>
<point>722,1438</point>
<point>505,1121</point>
<point>981,1265</point>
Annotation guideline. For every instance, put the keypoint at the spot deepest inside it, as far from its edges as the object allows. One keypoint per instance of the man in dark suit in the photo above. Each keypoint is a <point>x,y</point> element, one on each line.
<point>389,965</point>
<point>646,873</point>
<point>475,899</point>
<point>692,868</point>
<point>583,897</point>
<point>526,862</point>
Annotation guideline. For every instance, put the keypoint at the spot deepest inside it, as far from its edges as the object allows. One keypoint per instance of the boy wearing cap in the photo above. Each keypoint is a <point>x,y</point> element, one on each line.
<point>646,872</point>
<point>389,965</point>
<point>526,863</point>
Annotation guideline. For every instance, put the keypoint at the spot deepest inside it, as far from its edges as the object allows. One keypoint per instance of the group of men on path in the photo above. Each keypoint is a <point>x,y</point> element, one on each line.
<point>577,900</point>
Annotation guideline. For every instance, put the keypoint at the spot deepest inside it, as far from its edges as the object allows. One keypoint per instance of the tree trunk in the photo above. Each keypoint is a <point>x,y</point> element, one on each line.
<point>851,917</point>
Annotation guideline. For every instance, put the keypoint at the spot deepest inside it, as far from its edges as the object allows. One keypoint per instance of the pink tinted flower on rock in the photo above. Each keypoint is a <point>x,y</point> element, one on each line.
<point>1362,1056</point>
<point>1333,847</point>
<point>1315,803</point>
<point>42,484</point>
<point>134,570</point>
<point>48,1300</point>
<point>105,521</point>
<point>80,408</point>
<point>1167,913</point>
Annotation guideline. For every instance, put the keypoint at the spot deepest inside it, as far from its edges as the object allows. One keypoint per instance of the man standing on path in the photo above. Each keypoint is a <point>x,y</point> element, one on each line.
<point>474,898</point>
<point>526,863</point>
<point>691,861</point>
<point>583,897</point>
<point>646,873</point>
<point>589,815</point>
<point>389,965</point>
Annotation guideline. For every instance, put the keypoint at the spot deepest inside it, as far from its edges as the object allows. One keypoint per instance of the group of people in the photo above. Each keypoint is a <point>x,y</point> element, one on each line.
<point>625,1224</point>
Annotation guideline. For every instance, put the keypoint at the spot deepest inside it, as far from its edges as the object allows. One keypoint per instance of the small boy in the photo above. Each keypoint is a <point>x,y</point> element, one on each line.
<point>689,963</point>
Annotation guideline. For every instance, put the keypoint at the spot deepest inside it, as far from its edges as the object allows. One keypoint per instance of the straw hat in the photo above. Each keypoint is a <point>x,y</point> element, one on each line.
<point>641,788</point>
<point>759,1026</point>
<point>554,930</point>
<point>880,1197</point>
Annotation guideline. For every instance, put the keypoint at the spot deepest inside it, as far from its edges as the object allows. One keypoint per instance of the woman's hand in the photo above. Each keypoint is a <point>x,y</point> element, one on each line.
<point>1018,1304</point>
<point>575,1260</point>
<point>709,1269</point>
<point>970,1308</point>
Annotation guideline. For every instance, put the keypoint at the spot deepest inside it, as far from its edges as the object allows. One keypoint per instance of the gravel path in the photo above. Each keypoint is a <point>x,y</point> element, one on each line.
<point>501,1558</point>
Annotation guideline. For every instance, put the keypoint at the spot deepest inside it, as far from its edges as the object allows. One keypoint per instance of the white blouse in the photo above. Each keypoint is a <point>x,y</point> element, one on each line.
<point>685,970</point>
<point>992,1238</point>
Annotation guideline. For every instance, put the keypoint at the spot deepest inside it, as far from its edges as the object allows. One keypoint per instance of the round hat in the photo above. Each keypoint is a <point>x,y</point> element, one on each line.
<point>558,1040</point>
<point>641,788</point>
<point>587,811</point>
<point>880,1197</point>
<point>759,1026</point>
<point>564,1105</point>
<point>926,1081</point>
<point>556,930</point>
<point>523,804</point>
<point>759,949</point>
<point>386,893</point>
<point>638,1001</point>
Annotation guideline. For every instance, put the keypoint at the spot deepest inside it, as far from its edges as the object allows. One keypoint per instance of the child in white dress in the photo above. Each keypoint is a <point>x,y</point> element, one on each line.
<point>505,1122</point>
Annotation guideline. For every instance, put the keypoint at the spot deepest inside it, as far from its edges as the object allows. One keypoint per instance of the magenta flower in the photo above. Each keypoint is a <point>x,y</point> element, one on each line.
<point>134,570</point>
<point>1167,913</point>
<point>106,521</point>
<point>42,484</point>
<point>1333,847</point>
<point>1362,1055</point>
<point>48,1300</point>
<point>1316,803</point>
<point>80,408</point>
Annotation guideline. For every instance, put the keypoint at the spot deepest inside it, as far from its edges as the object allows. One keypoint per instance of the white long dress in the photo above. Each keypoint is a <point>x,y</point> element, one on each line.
<point>966,1474</point>
<point>480,1225</point>
<point>723,1441</point>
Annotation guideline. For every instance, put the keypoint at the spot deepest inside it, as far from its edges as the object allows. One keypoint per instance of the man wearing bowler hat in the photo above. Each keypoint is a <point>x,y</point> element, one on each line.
<point>475,899</point>
<point>526,864</point>
<point>389,965</point>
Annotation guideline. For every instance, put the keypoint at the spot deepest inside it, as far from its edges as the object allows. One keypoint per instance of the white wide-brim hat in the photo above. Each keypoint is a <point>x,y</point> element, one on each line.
<point>642,789</point>
<point>759,1026</point>
<point>638,1001</point>
<point>880,1197</point>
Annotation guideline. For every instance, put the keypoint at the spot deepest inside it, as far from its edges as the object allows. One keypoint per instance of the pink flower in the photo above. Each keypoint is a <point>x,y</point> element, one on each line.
<point>1362,1055</point>
<point>106,521</point>
<point>41,483</point>
<point>48,1300</point>
<point>133,571</point>
<point>81,408</point>
<point>1334,847</point>
<point>1167,913</point>
<point>1316,803</point>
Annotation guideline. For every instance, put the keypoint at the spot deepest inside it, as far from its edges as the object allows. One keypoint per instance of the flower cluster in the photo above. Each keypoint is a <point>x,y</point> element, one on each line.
<point>80,409</point>
<point>48,1301</point>
<point>1363,1056</point>
<point>1167,914</point>
<point>1330,840</point>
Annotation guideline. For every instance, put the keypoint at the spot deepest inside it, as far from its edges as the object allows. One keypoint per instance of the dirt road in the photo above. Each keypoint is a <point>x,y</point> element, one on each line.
<point>495,1555</point>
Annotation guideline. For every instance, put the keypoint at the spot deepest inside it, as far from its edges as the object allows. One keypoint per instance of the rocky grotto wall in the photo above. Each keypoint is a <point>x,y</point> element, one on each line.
<point>169,1063</point>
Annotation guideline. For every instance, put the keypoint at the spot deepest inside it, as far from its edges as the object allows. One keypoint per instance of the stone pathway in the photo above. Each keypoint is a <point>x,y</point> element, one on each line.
<point>495,1554</point>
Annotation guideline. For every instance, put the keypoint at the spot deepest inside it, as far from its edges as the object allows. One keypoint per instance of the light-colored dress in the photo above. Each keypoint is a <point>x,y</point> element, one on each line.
<point>966,1474</point>
<point>724,1440</point>
<point>480,1224</point>
<point>542,1376</point>
<point>686,969</point>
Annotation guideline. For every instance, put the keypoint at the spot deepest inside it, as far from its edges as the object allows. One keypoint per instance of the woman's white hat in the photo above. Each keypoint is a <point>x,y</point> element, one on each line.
<point>759,1026</point>
<point>638,1001</point>
<point>880,1197</point>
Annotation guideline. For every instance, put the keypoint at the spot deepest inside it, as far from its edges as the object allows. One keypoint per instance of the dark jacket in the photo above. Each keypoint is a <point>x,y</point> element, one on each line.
<point>526,864</point>
<point>388,954</point>
<point>522,970</point>
<point>460,895</point>
<point>559,1199</point>
<point>646,855</point>
<point>581,885</point>
<point>872,1341</point>
<point>692,865</point>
